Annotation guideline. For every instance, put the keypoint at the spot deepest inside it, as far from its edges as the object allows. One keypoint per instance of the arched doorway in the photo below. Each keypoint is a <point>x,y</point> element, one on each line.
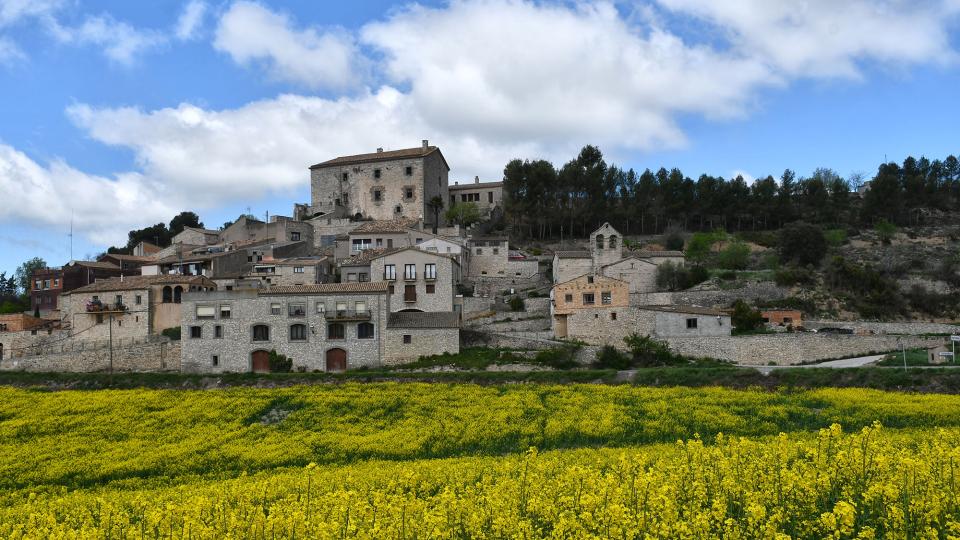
<point>260,362</point>
<point>336,360</point>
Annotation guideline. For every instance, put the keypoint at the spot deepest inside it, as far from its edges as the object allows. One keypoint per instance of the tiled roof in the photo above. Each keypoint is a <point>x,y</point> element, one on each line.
<point>398,225</point>
<point>139,282</point>
<point>190,257</point>
<point>691,310</point>
<point>367,255</point>
<point>489,239</point>
<point>416,319</point>
<point>405,153</point>
<point>204,231</point>
<point>475,185</point>
<point>298,261</point>
<point>658,253</point>
<point>597,278</point>
<point>573,254</point>
<point>353,287</point>
<point>133,258</point>
<point>94,264</point>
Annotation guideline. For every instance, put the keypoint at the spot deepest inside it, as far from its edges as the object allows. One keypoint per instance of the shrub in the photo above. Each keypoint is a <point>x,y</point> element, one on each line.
<point>517,304</point>
<point>744,318</point>
<point>836,237</point>
<point>673,240</point>
<point>558,358</point>
<point>735,256</point>
<point>869,292</point>
<point>885,231</point>
<point>279,363</point>
<point>172,333</point>
<point>802,243</point>
<point>677,277</point>
<point>728,275</point>
<point>610,358</point>
<point>698,247</point>
<point>791,275</point>
<point>648,352</point>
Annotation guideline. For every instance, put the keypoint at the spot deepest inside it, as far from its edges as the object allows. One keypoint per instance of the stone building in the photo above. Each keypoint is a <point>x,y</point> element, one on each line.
<point>486,195</point>
<point>324,327</point>
<point>247,230</point>
<point>490,256</point>
<point>137,306</point>
<point>386,234</point>
<point>15,332</point>
<point>782,317</point>
<point>381,185</point>
<point>586,292</point>
<point>607,257</point>
<point>48,284</point>
<point>417,280</point>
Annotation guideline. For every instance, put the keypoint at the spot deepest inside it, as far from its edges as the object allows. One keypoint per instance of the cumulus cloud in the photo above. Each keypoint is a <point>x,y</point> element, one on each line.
<point>825,38</point>
<point>46,195</point>
<point>252,33</point>
<point>120,41</point>
<point>190,20</point>
<point>9,51</point>
<point>12,11</point>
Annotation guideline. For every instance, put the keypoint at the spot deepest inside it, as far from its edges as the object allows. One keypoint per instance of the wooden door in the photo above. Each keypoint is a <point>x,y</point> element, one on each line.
<point>261,362</point>
<point>336,360</point>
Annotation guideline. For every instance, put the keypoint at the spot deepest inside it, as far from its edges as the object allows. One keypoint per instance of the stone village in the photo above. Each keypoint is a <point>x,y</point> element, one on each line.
<point>369,274</point>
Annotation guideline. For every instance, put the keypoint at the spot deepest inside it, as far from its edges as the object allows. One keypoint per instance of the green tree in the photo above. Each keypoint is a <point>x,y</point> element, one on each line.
<point>885,230</point>
<point>745,318</point>
<point>735,256</point>
<point>25,272</point>
<point>463,214</point>
<point>802,243</point>
<point>184,219</point>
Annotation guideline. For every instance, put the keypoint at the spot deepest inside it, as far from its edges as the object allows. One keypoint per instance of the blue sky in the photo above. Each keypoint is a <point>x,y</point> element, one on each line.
<point>124,113</point>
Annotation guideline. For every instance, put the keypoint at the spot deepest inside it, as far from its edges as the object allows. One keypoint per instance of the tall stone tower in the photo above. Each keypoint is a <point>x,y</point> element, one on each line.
<point>606,246</point>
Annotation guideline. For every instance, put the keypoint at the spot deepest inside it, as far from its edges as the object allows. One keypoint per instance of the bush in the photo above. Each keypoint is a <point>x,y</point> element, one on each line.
<point>791,275</point>
<point>172,333</point>
<point>836,237</point>
<point>610,358</point>
<point>728,275</point>
<point>698,248</point>
<point>648,352</point>
<point>802,243</point>
<point>517,304</point>
<point>559,358</point>
<point>673,240</point>
<point>744,318</point>
<point>869,292</point>
<point>677,277</point>
<point>885,231</point>
<point>736,256</point>
<point>279,363</point>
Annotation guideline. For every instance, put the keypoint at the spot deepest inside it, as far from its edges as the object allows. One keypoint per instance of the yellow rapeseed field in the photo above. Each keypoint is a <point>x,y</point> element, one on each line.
<point>466,461</point>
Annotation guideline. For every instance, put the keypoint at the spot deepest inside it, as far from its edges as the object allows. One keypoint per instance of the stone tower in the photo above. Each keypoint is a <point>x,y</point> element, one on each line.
<point>606,246</point>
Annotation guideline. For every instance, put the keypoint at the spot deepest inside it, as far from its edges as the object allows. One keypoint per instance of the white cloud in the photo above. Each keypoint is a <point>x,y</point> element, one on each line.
<point>120,41</point>
<point>9,51</point>
<point>747,177</point>
<point>103,208</point>
<point>826,38</point>
<point>251,33</point>
<point>190,20</point>
<point>12,11</point>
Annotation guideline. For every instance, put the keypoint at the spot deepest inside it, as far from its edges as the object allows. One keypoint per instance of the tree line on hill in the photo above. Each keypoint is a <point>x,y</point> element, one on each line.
<point>160,234</point>
<point>543,201</point>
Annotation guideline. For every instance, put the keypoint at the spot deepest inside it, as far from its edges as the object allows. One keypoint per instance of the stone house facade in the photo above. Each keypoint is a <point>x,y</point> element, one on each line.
<point>279,229</point>
<point>130,307</point>
<point>570,264</point>
<point>48,284</point>
<point>587,292</point>
<point>609,325</point>
<point>640,273</point>
<point>417,280</point>
<point>16,331</point>
<point>411,335</point>
<point>782,317</point>
<point>486,195</point>
<point>381,185</point>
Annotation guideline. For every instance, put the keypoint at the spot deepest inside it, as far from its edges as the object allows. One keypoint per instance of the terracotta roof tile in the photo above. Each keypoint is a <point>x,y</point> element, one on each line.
<point>139,282</point>
<point>416,319</point>
<point>326,288</point>
<point>692,310</point>
<point>405,153</point>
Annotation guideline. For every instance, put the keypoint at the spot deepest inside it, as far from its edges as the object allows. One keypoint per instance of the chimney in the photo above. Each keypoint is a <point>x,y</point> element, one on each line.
<point>380,150</point>
<point>476,179</point>
<point>456,183</point>
<point>426,143</point>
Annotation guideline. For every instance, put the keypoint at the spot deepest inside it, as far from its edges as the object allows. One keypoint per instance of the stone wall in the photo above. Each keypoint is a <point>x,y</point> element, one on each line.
<point>91,326</point>
<point>909,328</point>
<point>790,349</point>
<point>599,327</point>
<point>567,269</point>
<point>423,342</point>
<point>474,304</point>
<point>526,269</point>
<point>712,296</point>
<point>641,275</point>
<point>489,258</point>
<point>159,354</point>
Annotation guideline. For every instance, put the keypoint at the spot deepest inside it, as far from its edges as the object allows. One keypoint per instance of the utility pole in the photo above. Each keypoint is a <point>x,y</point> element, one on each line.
<point>903,349</point>
<point>111,343</point>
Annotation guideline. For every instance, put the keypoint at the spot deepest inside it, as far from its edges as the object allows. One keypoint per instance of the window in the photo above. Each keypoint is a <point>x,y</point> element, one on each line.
<point>408,171</point>
<point>568,298</point>
<point>606,298</point>
<point>408,193</point>
<point>298,332</point>
<point>99,318</point>
<point>407,338</point>
<point>589,279</point>
<point>479,251</point>
<point>409,271</point>
<point>261,332</point>
<point>496,251</point>
<point>430,271</point>
<point>294,236</point>
<point>218,331</point>
<point>365,330</point>
<point>600,241</point>
<point>588,299</point>
<point>360,307</point>
<point>177,294</point>
<point>351,277</point>
<point>275,308</point>
<point>377,195</point>
<point>379,242</point>
<point>389,272</point>
<point>376,173</point>
<point>341,307</point>
<point>196,332</point>
<point>345,177</point>
<point>118,300</point>
<point>431,288</point>
<point>56,282</point>
<point>691,323</point>
<point>490,197</point>
<point>389,242</point>
<point>335,331</point>
<point>612,243</point>
<point>206,312</point>
<point>363,277</point>
<point>398,209</point>
<point>321,307</point>
<point>215,360</point>
<point>46,284</point>
<point>36,285</point>
<point>391,289</point>
<point>410,293</point>
<point>360,244</point>
<point>225,311</point>
<point>297,269</point>
<point>297,309</point>
<point>613,316</point>
<point>138,299</point>
<point>418,241</point>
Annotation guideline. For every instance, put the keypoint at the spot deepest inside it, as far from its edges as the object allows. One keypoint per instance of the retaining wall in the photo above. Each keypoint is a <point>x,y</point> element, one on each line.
<point>909,328</point>
<point>158,355</point>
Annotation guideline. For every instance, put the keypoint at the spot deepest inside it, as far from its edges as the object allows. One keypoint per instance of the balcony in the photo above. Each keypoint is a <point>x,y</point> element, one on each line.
<point>99,308</point>
<point>347,315</point>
